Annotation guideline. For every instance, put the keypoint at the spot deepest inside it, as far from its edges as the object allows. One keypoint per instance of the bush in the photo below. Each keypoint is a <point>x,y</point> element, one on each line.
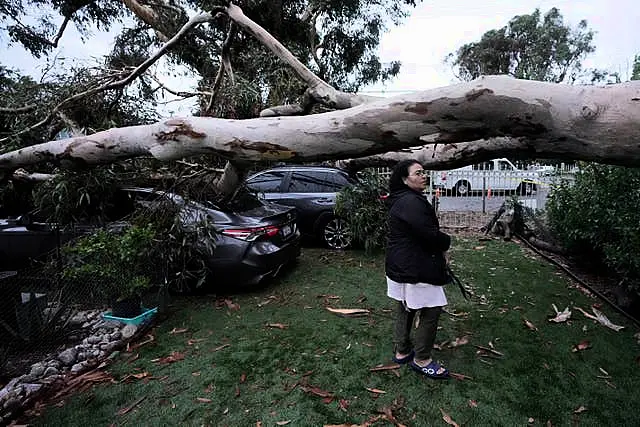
<point>76,196</point>
<point>364,210</point>
<point>598,217</point>
<point>110,265</point>
<point>180,248</point>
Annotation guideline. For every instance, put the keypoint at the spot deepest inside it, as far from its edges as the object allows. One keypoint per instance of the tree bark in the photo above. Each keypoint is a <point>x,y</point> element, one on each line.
<point>434,157</point>
<point>550,120</point>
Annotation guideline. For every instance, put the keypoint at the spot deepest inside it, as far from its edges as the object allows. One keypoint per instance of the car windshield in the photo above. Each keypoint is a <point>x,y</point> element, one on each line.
<point>243,200</point>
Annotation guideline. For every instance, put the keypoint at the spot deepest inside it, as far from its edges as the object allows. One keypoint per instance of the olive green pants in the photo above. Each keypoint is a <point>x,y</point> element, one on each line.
<point>425,323</point>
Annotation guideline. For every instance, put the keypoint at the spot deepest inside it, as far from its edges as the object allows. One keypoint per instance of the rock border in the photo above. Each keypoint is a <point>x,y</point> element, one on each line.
<point>104,337</point>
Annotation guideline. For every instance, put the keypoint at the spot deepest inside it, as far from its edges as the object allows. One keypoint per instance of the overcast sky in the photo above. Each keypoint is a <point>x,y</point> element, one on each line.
<point>434,29</point>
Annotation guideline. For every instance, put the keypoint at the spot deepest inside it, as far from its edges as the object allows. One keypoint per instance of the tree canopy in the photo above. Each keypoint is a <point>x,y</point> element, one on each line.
<point>635,74</point>
<point>532,47</point>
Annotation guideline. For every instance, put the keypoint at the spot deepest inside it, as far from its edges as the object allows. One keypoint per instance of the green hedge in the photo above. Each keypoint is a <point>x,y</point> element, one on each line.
<point>599,216</point>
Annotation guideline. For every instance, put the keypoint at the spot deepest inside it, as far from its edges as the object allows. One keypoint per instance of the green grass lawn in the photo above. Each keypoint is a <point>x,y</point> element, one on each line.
<point>238,371</point>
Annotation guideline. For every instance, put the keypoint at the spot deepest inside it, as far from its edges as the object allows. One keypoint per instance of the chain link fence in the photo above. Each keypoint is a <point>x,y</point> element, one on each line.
<point>45,309</point>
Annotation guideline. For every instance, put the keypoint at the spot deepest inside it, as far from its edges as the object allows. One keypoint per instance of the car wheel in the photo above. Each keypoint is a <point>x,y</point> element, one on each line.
<point>336,234</point>
<point>463,188</point>
<point>526,188</point>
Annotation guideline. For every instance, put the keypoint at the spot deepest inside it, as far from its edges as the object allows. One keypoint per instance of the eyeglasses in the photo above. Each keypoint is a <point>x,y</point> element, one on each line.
<point>420,172</point>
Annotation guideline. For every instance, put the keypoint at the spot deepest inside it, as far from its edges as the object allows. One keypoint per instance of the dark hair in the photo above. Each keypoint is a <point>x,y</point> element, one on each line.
<point>400,172</point>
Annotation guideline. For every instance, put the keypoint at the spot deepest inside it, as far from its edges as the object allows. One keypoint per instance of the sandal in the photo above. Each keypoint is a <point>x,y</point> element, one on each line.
<point>431,370</point>
<point>403,360</point>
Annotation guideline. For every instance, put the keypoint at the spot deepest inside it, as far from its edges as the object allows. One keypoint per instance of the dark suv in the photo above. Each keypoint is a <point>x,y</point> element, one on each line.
<point>312,191</point>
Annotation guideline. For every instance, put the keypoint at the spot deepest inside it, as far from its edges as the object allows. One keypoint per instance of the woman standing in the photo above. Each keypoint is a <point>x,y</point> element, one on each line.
<point>415,268</point>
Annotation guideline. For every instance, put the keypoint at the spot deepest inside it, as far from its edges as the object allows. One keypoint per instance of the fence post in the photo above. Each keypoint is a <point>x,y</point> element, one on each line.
<point>484,193</point>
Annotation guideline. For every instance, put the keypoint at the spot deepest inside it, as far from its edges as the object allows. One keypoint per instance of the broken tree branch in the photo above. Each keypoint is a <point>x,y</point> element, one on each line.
<point>146,15</point>
<point>134,74</point>
<point>225,66</point>
<point>319,90</point>
<point>18,110</point>
<point>434,157</point>
<point>179,93</point>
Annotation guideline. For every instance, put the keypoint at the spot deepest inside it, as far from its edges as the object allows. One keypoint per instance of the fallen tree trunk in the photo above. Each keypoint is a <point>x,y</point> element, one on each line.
<point>547,120</point>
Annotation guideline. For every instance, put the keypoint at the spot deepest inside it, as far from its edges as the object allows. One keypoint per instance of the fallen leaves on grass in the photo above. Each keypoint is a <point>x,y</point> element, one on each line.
<point>561,316</point>
<point>460,377</point>
<point>175,331</point>
<point>175,356</point>
<point>127,409</point>
<point>489,350</point>
<point>583,345</point>
<point>454,314</point>
<point>328,296</point>
<point>243,378</point>
<point>473,404</point>
<point>230,304</point>
<point>459,341</point>
<point>277,325</point>
<point>82,383</point>
<point>349,312</point>
<point>388,415</point>
<point>447,419</point>
<point>384,368</point>
<point>316,391</point>
<point>343,404</point>
<point>267,301</point>
<point>221,347</point>
<point>131,347</point>
<point>580,410</point>
<point>530,325</point>
<point>137,376</point>
<point>600,318</point>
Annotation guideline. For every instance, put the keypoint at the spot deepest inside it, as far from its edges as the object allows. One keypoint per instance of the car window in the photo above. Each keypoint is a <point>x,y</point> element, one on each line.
<point>504,166</point>
<point>268,182</point>
<point>308,182</point>
<point>336,181</point>
<point>243,200</point>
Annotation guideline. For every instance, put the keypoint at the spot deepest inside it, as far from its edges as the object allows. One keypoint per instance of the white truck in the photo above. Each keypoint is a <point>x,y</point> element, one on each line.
<point>497,175</point>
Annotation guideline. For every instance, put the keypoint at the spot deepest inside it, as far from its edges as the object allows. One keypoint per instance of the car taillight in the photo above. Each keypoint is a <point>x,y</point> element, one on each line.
<point>252,233</point>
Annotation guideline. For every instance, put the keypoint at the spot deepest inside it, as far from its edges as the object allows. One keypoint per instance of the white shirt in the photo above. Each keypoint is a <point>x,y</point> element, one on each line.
<point>417,295</point>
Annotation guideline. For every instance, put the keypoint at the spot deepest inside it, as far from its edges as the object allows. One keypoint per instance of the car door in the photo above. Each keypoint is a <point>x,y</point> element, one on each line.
<point>268,185</point>
<point>310,193</point>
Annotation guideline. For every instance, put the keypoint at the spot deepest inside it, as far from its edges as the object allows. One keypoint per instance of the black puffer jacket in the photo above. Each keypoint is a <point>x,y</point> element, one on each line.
<point>415,244</point>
